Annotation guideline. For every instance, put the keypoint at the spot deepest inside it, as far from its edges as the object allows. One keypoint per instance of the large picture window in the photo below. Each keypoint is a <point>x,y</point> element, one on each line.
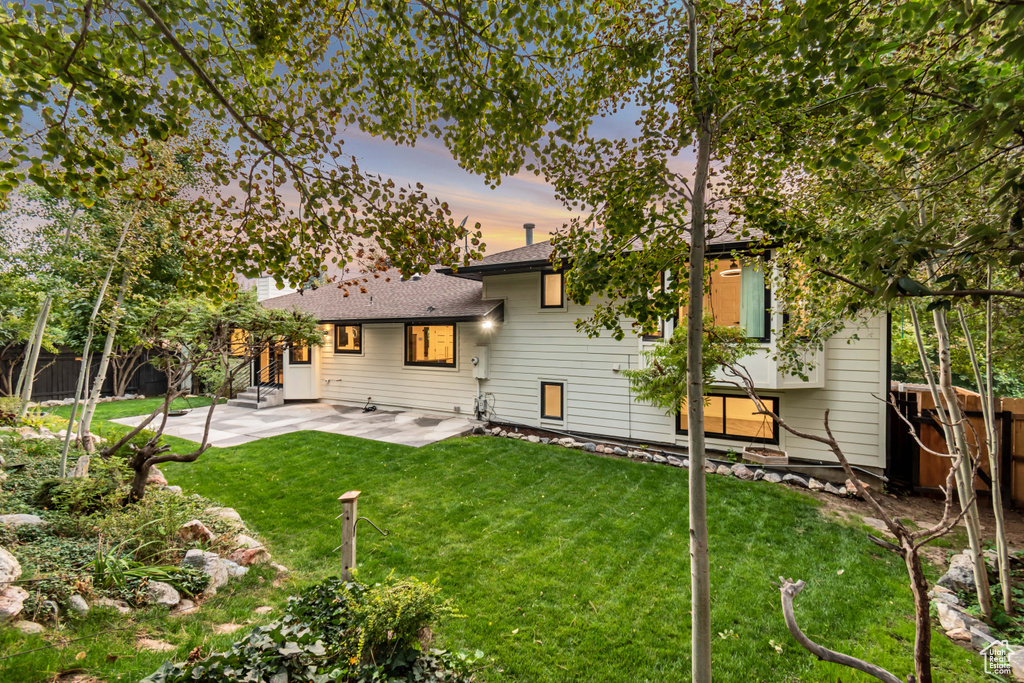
<point>552,290</point>
<point>737,296</point>
<point>299,354</point>
<point>552,401</point>
<point>430,345</point>
<point>735,417</point>
<point>348,338</point>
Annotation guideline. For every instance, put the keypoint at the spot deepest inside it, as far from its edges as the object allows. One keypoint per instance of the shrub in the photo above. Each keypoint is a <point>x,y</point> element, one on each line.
<point>392,615</point>
<point>136,442</point>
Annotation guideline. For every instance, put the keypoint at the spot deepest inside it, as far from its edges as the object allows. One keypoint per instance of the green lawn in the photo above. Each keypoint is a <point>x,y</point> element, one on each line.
<point>567,566</point>
<point>117,409</point>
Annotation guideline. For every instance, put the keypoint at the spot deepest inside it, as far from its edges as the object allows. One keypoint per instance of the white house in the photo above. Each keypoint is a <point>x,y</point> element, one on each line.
<point>498,339</point>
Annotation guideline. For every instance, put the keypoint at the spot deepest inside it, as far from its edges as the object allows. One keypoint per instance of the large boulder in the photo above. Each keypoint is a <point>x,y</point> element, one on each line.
<point>81,470</point>
<point>21,520</point>
<point>10,569</point>
<point>210,564</point>
<point>160,593</point>
<point>960,576</point>
<point>78,605</point>
<point>742,472</point>
<point>795,480</point>
<point>249,556</point>
<point>228,514</point>
<point>11,602</point>
<point>195,531</point>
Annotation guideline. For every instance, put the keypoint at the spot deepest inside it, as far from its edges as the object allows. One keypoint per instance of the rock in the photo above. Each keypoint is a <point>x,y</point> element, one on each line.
<point>164,594</point>
<point>795,480</point>
<point>221,629</point>
<point>249,556</point>
<point>280,569</point>
<point>78,605</point>
<point>154,645</point>
<point>265,609</point>
<point>228,514</point>
<point>742,472</point>
<point>211,565</point>
<point>723,470</point>
<point>184,607</point>
<point>950,617</point>
<point>173,489</point>
<point>960,575</point>
<point>709,467</point>
<point>959,634</point>
<point>758,475</point>
<point>939,589</point>
<point>195,531</point>
<point>502,434</point>
<point>619,451</point>
<point>981,639</point>
<point>156,477</point>
<point>28,627</point>
<point>948,598</point>
<point>545,439</point>
<point>674,461</point>
<point>533,439</point>
<point>20,520</point>
<point>121,606</point>
<point>10,568</point>
<point>773,478</point>
<point>1017,664</point>
<point>51,608</point>
<point>815,485</point>
<point>81,468</point>
<point>234,569</point>
<point>875,524</point>
<point>835,490</point>
<point>478,430</point>
<point>590,446</point>
<point>686,463</point>
<point>660,459</point>
<point>11,601</point>
<point>851,489</point>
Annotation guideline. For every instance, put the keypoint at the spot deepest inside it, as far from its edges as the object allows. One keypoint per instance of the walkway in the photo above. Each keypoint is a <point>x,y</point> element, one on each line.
<point>233,425</point>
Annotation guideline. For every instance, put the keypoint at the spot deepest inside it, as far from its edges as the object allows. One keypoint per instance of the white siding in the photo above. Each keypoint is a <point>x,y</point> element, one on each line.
<point>379,373</point>
<point>266,288</point>
<point>535,345</point>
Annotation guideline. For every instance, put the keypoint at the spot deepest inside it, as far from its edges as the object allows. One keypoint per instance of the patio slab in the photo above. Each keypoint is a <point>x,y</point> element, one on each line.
<point>234,425</point>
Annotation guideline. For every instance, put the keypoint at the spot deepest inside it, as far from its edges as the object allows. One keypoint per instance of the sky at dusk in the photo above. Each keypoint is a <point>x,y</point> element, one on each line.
<point>523,198</point>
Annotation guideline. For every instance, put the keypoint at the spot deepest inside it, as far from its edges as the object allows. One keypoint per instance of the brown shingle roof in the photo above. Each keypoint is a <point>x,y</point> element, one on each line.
<point>390,298</point>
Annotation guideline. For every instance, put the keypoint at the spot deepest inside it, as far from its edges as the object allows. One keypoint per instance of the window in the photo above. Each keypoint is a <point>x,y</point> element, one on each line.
<point>430,345</point>
<point>552,290</point>
<point>737,297</point>
<point>552,405</point>
<point>298,354</point>
<point>239,345</point>
<point>348,338</point>
<point>735,417</point>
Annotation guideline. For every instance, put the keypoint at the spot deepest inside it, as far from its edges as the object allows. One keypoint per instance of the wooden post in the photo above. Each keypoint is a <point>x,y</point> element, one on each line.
<point>348,533</point>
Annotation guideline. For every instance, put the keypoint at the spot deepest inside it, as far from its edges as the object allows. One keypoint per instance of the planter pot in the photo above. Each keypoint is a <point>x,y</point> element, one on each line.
<point>765,456</point>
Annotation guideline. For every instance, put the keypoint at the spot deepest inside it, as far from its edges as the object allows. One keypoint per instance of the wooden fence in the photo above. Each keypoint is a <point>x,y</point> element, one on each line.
<point>914,467</point>
<point>59,377</point>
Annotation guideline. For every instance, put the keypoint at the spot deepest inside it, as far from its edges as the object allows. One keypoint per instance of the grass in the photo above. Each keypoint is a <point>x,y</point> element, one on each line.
<point>567,566</point>
<point>118,409</point>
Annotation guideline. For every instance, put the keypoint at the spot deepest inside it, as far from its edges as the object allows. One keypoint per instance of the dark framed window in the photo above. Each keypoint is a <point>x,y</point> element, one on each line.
<point>552,290</point>
<point>552,401</point>
<point>298,354</point>
<point>432,345</point>
<point>728,416</point>
<point>737,295</point>
<point>348,338</point>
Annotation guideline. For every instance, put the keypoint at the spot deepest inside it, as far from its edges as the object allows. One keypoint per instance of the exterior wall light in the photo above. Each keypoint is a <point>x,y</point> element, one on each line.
<point>487,324</point>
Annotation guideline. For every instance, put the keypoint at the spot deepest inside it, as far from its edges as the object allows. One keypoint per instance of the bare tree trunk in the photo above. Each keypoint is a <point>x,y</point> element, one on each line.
<point>965,482</point>
<point>922,614</point>
<point>101,372</point>
<point>124,366</point>
<point>700,572</point>
<point>28,370</point>
<point>88,343</point>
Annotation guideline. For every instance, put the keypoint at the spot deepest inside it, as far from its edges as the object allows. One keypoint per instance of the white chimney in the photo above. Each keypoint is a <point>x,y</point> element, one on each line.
<point>528,227</point>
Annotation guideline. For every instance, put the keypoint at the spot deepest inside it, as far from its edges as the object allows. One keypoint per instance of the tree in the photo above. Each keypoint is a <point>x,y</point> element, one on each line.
<point>199,337</point>
<point>641,217</point>
<point>273,88</point>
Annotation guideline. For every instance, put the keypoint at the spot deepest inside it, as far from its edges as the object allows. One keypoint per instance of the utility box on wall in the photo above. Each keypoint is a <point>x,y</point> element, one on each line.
<point>481,358</point>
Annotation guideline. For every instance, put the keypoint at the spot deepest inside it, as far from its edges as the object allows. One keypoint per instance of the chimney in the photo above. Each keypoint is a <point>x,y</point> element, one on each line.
<point>528,227</point>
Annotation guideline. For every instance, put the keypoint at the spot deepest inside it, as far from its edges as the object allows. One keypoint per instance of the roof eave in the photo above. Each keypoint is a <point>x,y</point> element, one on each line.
<point>496,314</point>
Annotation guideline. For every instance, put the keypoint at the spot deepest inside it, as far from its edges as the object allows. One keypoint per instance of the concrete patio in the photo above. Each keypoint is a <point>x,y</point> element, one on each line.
<point>233,426</point>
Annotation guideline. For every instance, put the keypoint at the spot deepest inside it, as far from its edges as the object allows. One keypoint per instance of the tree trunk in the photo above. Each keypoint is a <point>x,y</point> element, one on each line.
<point>88,343</point>
<point>125,366</point>
<point>101,372</point>
<point>28,370</point>
<point>138,489</point>
<point>922,615</point>
<point>700,571</point>
<point>965,480</point>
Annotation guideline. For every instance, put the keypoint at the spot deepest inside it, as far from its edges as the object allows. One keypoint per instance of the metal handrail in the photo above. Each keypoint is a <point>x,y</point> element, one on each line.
<point>270,370</point>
